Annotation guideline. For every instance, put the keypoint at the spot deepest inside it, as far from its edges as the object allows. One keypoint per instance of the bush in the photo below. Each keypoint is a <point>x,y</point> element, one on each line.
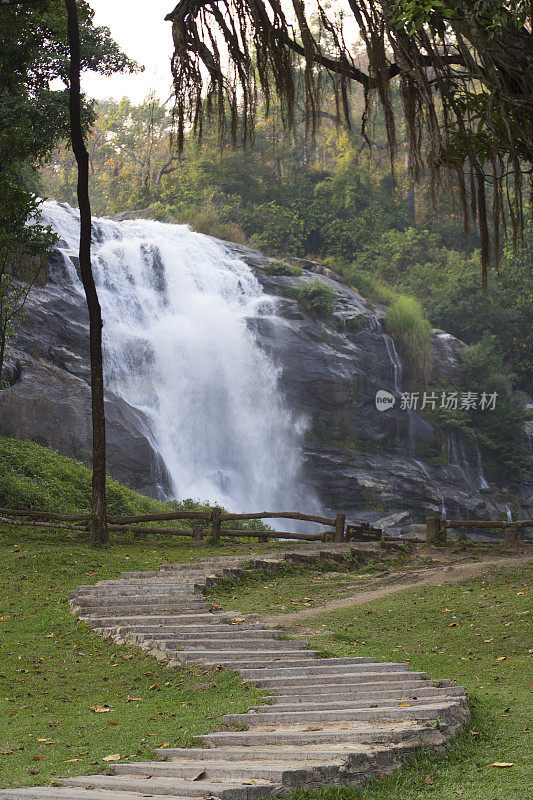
<point>282,268</point>
<point>406,323</point>
<point>317,297</point>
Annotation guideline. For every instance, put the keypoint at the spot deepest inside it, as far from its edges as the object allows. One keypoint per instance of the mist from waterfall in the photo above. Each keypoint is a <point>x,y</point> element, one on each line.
<point>177,346</point>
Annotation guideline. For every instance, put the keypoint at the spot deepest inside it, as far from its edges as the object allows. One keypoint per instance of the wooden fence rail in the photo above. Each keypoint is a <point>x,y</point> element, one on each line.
<point>436,528</point>
<point>134,523</point>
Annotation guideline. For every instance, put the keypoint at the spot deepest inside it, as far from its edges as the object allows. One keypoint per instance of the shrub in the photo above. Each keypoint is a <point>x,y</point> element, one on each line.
<point>406,323</point>
<point>282,268</point>
<point>317,297</point>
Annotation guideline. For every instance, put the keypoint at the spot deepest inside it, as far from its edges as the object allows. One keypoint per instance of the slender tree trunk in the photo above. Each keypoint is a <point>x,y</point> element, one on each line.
<point>99,522</point>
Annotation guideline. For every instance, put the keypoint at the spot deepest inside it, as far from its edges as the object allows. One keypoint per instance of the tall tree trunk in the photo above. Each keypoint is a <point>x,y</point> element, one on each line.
<point>99,521</point>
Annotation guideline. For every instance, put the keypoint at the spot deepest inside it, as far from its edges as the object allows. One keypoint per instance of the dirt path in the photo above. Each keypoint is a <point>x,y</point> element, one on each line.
<point>426,577</point>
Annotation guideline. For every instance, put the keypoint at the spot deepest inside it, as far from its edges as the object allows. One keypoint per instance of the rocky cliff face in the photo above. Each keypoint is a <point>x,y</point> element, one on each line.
<point>370,464</point>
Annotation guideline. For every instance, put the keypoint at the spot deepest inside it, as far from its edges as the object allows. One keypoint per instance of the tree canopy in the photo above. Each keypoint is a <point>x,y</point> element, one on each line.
<point>464,69</point>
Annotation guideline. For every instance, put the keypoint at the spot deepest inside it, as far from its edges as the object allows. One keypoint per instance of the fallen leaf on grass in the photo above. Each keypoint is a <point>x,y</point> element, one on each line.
<point>115,757</point>
<point>166,744</point>
<point>100,710</point>
<point>502,764</point>
<point>154,686</point>
<point>5,752</point>
<point>133,699</point>
<point>70,760</point>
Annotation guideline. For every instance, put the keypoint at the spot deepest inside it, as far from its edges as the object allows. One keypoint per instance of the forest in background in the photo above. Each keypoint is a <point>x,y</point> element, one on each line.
<point>331,200</point>
<point>334,201</point>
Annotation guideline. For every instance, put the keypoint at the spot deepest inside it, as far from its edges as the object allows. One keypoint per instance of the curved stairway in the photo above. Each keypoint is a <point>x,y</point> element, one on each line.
<point>334,720</point>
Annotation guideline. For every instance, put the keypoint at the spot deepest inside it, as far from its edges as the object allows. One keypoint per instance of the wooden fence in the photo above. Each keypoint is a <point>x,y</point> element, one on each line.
<point>436,528</point>
<point>209,524</point>
<point>212,524</point>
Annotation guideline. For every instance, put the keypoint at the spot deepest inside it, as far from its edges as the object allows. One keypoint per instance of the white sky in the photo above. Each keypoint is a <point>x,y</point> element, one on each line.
<point>140,29</point>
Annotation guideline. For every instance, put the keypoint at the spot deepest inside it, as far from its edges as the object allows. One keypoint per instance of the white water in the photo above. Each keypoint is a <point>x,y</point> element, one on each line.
<point>479,464</point>
<point>395,361</point>
<point>457,455</point>
<point>177,346</point>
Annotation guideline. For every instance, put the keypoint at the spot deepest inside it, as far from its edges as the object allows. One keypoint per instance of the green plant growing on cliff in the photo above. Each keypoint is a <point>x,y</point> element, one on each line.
<point>22,247</point>
<point>406,323</point>
<point>317,298</point>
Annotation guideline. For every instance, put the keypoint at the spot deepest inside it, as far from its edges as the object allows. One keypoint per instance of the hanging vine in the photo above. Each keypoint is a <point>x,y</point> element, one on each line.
<point>465,73</point>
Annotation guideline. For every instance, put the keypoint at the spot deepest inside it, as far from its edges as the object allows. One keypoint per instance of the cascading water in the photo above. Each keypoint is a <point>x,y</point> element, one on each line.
<point>481,477</point>
<point>177,346</point>
<point>457,456</point>
<point>395,361</point>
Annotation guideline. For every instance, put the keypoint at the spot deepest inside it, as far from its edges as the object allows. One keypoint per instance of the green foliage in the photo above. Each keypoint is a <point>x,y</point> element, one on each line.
<point>411,330</point>
<point>211,222</point>
<point>37,478</point>
<point>22,247</point>
<point>282,268</point>
<point>446,281</point>
<point>499,431</point>
<point>316,297</point>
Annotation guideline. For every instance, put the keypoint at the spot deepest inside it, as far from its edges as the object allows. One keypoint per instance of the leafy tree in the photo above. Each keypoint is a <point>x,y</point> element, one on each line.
<point>22,247</point>
<point>34,53</point>
<point>464,72</point>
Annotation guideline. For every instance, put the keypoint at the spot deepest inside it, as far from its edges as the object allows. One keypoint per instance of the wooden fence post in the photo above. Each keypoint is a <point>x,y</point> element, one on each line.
<point>511,535</point>
<point>433,530</point>
<point>340,521</point>
<point>198,533</point>
<point>216,522</point>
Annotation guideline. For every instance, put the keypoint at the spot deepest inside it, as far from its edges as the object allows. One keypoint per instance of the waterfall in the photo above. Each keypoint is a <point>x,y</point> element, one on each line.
<point>457,456</point>
<point>481,478</point>
<point>178,347</point>
<point>395,361</point>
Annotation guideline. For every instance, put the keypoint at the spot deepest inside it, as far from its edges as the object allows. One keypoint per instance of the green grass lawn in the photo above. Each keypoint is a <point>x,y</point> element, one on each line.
<point>290,589</point>
<point>479,634</point>
<point>53,669</point>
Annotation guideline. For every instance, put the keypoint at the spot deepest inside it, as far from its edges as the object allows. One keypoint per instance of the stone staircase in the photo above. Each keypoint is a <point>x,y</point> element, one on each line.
<point>330,721</point>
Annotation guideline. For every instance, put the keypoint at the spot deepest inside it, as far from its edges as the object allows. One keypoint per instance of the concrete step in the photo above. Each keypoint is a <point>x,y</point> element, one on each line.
<point>334,701</point>
<point>357,713</point>
<point>256,656</point>
<point>126,611</point>
<point>316,753</point>
<point>155,593</point>
<point>355,732</point>
<point>331,666</point>
<point>192,618</point>
<point>223,633</point>
<point>294,691</point>
<point>286,772</point>
<point>338,678</point>
<point>226,790</point>
<point>165,633</point>
<point>141,601</point>
<point>248,644</point>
